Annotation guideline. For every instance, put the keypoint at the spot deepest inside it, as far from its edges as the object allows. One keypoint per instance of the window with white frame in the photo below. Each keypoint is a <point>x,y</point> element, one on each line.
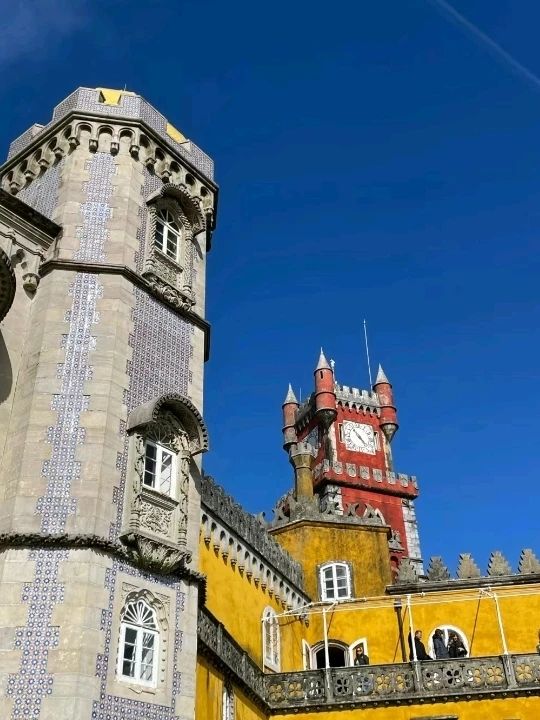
<point>168,235</point>
<point>139,640</point>
<point>159,468</point>
<point>227,706</point>
<point>271,639</point>
<point>335,580</point>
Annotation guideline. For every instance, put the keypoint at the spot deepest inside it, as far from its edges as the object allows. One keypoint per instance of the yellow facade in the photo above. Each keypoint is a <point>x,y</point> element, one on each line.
<point>492,620</point>
<point>365,548</point>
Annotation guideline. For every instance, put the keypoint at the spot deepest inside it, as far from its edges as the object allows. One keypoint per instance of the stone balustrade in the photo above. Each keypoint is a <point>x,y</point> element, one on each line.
<point>403,682</point>
<point>370,685</point>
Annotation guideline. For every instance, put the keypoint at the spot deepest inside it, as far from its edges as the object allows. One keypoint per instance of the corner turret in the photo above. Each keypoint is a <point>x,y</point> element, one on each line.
<point>388,421</point>
<point>290,407</point>
<point>325,394</point>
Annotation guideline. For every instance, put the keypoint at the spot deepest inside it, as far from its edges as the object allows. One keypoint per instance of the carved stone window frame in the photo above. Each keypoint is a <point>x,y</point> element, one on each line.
<point>162,619</point>
<point>169,279</point>
<point>155,524</point>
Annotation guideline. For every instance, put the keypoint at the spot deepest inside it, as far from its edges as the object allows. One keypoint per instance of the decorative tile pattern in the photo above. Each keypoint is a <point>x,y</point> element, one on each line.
<point>161,341</point>
<point>32,683</point>
<point>42,193</point>
<point>113,707</point>
<point>96,211</point>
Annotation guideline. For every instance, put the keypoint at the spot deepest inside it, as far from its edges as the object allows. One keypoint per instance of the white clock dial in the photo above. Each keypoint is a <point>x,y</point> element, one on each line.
<point>359,437</point>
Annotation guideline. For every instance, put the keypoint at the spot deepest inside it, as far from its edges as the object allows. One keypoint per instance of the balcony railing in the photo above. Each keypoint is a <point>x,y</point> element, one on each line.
<point>393,684</point>
<point>404,682</point>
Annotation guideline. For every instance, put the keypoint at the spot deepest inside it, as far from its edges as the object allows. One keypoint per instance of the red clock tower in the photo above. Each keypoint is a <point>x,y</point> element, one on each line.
<point>350,432</point>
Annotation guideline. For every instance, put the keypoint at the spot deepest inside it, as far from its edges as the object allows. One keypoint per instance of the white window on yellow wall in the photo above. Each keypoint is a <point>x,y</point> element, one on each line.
<point>335,581</point>
<point>227,706</point>
<point>271,639</point>
<point>306,655</point>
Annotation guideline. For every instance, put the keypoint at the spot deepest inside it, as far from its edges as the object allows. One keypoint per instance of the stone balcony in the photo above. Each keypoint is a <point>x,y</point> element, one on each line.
<point>371,685</point>
<point>410,683</point>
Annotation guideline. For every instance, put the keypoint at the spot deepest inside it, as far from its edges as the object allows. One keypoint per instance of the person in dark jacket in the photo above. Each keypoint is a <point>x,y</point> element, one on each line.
<point>456,648</point>
<point>419,647</point>
<point>439,647</point>
<point>360,657</point>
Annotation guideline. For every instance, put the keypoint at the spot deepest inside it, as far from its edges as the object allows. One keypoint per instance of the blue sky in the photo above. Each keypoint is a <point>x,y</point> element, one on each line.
<point>375,160</point>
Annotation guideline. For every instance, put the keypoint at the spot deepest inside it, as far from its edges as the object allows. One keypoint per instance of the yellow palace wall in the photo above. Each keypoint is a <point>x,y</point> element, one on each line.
<point>209,699</point>
<point>467,610</point>
<point>364,547</point>
<point>503,709</point>
<point>238,602</point>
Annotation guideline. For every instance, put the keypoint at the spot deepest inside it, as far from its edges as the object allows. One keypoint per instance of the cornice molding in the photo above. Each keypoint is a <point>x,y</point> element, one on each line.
<point>126,272</point>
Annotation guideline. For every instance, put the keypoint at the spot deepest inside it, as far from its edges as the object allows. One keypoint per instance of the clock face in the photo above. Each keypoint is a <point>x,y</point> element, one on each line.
<point>359,437</point>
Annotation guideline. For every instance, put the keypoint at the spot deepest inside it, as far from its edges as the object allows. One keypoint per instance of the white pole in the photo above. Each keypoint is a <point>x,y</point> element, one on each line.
<point>326,653</point>
<point>411,628</point>
<point>367,355</point>
<point>501,628</point>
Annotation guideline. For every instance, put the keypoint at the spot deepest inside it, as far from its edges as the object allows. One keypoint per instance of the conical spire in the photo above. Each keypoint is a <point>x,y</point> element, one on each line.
<point>290,397</point>
<point>323,362</point>
<point>381,376</point>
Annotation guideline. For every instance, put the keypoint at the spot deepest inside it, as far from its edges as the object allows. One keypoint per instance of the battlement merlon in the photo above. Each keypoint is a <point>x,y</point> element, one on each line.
<point>120,105</point>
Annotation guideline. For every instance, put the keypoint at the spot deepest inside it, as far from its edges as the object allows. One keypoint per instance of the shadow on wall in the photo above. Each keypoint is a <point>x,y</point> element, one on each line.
<point>6,372</point>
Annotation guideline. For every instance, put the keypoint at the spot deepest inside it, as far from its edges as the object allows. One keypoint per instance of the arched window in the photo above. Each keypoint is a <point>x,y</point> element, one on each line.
<point>335,581</point>
<point>338,655</point>
<point>139,640</point>
<point>159,468</point>
<point>168,235</point>
<point>361,642</point>
<point>447,631</point>
<point>227,706</point>
<point>271,639</point>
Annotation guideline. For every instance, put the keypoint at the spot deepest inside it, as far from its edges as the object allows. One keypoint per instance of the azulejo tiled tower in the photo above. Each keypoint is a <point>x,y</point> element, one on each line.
<point>106,218</point>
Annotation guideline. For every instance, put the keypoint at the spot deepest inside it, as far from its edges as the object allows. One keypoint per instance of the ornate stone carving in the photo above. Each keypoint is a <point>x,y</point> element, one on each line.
<point>156,555</point>
<point>407,572</point>
<point>30,281</point>
<point>183,300</point>
<point>394,542</point>
<point>467,568</point>
<point>437,570</point>
<point>498,565</point>
<point>155,519</point>
<point>528,562</point>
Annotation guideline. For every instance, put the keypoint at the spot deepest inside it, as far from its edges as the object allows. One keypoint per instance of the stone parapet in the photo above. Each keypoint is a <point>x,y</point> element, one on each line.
<point>130,106</point>
<point>250,529</point>
<point>367,477</point>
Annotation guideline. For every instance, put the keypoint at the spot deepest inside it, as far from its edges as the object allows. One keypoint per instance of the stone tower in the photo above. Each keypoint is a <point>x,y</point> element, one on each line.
<point>348,433</point>
<point>106,217</point>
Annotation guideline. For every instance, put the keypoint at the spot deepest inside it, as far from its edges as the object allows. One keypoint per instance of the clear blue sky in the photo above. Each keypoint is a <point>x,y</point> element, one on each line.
<point>375,160</point>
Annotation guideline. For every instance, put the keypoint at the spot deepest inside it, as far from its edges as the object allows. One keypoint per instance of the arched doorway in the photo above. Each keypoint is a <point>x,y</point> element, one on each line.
<point>338,655</point>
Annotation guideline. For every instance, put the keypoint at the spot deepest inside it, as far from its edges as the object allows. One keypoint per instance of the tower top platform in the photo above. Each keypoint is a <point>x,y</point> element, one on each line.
<point>106,102</point>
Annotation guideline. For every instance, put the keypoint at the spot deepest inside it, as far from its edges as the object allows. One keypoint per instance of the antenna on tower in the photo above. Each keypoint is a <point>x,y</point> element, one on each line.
<point>367,355</point>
